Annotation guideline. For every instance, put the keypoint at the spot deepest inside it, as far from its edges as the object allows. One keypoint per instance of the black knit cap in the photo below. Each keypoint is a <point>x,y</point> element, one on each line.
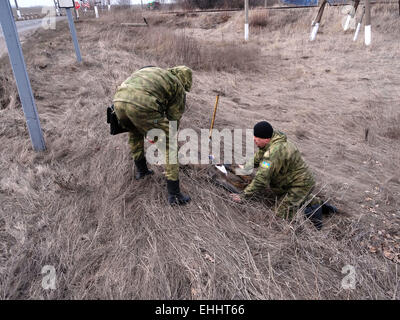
<point>263,130</point>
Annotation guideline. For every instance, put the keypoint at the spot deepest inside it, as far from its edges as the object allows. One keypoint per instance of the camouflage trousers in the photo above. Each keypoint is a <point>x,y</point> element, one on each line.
<point>139,122</point>
<point>292,199</point>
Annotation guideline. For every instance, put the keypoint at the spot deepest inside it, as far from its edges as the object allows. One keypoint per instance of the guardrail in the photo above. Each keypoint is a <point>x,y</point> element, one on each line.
<point>29,16</point>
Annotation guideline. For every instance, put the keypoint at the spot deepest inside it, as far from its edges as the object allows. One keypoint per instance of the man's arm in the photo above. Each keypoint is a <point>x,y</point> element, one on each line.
<point>176,107</point>
<point>269,165</point>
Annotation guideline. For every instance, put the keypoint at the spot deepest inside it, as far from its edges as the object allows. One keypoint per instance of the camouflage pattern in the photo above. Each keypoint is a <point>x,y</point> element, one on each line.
<point>149,99</point>
<point>283,171</point>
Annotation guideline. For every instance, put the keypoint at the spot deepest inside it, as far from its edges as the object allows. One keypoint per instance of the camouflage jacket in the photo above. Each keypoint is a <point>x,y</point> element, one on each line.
<point>281,167</point>
<point>155,89</point>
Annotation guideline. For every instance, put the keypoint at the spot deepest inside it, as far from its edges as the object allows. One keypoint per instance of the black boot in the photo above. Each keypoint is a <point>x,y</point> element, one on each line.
<point>174,194</point>
<point>141,169</point>
<point>314,213</point>
<point>328,208</point>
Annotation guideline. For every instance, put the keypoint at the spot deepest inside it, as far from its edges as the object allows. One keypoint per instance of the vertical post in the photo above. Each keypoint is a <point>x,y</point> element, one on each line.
<point>315,24</point>
<point>246,21</point>
<point>21,76</point>
<point>76,13</point>
<point>56,6</point>
<point>266,3</point>
<point>73,34</point>
<point>359,25</point>
<point>368,32</point>
<point>17,8</point>
<point>351,14</point>
<point>96,12</point>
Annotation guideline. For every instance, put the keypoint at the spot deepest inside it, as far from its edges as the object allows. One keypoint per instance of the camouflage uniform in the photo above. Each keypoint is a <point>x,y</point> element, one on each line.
<point>282,169</point>
<point>149,99</point>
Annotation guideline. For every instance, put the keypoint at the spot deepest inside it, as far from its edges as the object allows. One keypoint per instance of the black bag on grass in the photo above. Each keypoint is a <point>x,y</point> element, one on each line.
<point>115,126</point>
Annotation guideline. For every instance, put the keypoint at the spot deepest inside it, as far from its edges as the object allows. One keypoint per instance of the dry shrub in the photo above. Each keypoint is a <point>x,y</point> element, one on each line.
<point>212,20</point>
<point>8,92</point>
<point>259,19</point>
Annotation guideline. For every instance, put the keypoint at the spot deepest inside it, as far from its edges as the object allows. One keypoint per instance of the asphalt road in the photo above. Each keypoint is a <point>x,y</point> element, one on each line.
<point>24,28</point>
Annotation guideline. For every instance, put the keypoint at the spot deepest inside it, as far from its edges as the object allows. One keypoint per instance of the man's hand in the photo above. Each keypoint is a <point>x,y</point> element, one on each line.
<point>239,171</point>
<point>236,197</point>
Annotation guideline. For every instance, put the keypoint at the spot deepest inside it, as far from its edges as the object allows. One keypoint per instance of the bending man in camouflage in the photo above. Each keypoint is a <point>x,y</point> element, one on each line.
<point>283,171</point>
<point>149,99</point>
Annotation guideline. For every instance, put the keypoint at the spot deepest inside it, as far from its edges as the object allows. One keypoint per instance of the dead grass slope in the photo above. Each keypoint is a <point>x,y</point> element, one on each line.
<point>78,208</point>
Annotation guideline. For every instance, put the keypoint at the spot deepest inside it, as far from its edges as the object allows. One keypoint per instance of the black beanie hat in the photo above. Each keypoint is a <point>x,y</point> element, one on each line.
<point>263,130</point>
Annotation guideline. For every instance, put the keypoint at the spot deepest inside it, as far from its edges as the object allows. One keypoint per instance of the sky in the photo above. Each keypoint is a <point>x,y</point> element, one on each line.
<point>31,3</point>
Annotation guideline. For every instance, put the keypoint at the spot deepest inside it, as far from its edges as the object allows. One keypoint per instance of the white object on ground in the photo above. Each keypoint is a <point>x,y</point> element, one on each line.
<point>347,23</point>
<point>222,169</point>
<point>96,11</point>
<point>246,31</point>
<point>357,31</point>
<point>368,35</point>
<point>314,32</point>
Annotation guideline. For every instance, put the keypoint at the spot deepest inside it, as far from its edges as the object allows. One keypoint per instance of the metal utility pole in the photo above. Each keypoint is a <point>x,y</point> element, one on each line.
<point>246,21</point>
<point>266,3</point>
<point>368,32</point>
<point>21,76</point>
<point>73,34</point>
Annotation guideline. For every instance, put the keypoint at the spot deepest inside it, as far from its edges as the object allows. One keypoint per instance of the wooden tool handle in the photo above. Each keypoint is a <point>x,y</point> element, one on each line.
<point>213,117</point>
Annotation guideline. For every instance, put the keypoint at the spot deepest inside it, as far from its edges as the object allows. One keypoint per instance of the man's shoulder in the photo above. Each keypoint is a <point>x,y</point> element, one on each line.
<point>281,149</point>
<point>276,148</point>
<point>152,72</point>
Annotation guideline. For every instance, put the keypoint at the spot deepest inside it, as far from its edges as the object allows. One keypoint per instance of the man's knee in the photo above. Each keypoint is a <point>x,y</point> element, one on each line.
<point>172,172</point>
<point>136,145</point>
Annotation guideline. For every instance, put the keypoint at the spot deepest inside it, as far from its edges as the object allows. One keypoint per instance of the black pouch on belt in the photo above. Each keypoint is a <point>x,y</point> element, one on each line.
<point>115,126</point>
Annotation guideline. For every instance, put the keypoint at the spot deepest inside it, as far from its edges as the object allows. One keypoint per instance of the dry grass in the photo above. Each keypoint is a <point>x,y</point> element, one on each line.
<point>78,208</point>
<point>178,48</point>
<point>170,46</point>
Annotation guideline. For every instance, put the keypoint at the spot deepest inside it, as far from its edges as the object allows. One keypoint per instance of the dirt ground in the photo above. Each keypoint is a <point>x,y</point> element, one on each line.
<point>77,207</point>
